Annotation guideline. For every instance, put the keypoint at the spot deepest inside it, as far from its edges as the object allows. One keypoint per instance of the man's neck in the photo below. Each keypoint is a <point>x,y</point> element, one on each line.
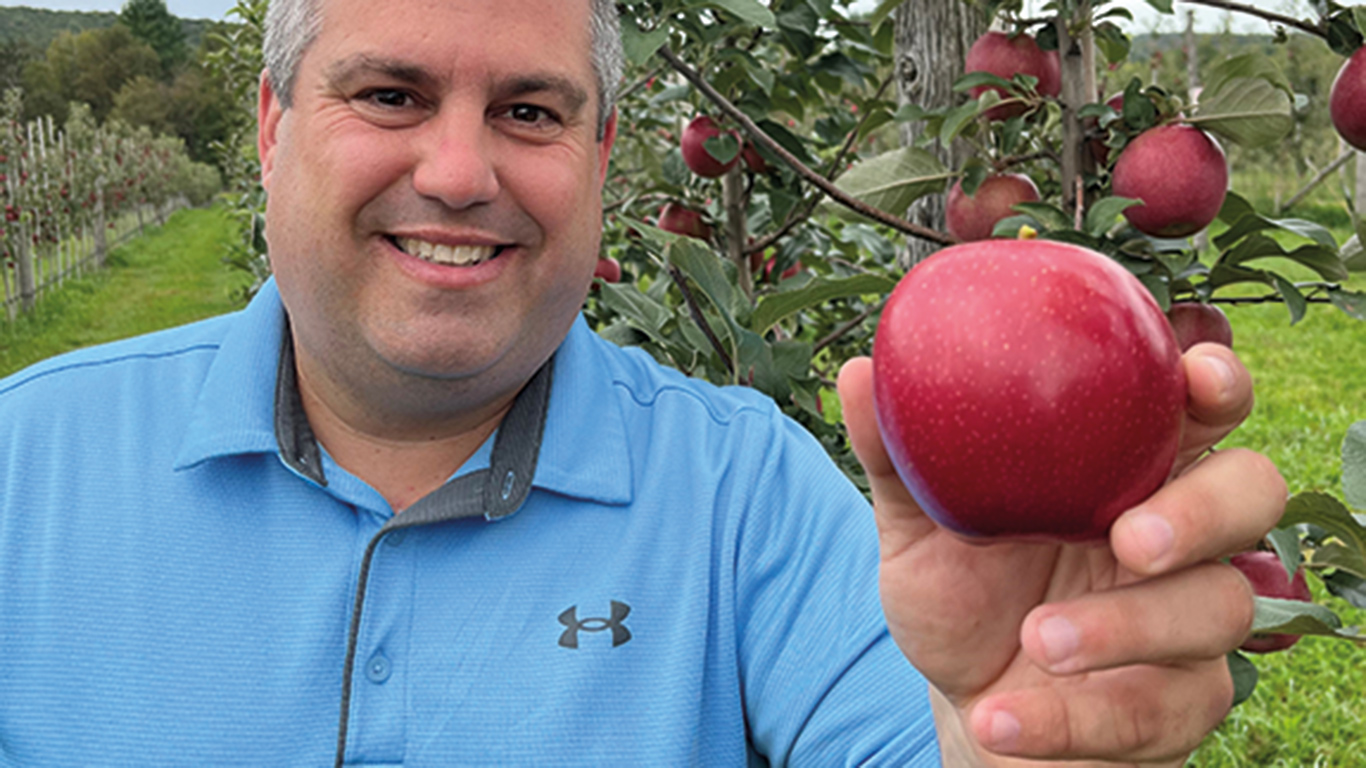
<point>404,456</point>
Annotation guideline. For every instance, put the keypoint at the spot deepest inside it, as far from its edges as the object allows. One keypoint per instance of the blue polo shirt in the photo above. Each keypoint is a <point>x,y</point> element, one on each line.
<point>639,569</point>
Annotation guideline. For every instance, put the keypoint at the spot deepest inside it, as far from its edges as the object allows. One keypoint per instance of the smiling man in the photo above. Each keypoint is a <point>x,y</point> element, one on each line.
<point>406,509</point>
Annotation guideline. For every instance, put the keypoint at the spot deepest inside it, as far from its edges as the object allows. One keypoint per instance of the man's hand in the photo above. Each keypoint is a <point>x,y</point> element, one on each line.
<point>1112,650</point>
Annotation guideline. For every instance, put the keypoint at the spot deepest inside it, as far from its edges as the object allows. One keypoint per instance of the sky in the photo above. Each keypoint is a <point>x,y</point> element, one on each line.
<point>1145,19</point>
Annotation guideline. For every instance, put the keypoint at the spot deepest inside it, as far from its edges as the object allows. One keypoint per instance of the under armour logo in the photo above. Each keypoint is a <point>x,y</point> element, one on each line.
<point>570,618</point>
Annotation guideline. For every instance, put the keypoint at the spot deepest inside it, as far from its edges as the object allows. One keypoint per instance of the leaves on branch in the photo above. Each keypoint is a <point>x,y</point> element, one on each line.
<point>1246,100</point>
<point>893,180</point>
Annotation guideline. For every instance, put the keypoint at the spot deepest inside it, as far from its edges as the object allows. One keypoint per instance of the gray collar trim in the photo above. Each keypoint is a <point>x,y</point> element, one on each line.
<point>494,493</point>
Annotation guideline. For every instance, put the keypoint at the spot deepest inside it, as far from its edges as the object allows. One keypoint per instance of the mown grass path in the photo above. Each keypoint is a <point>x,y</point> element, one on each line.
<point>170,276</point>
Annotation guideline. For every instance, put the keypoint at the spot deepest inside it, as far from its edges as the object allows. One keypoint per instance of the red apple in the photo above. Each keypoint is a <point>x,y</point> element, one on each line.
<point>682,220</point>
<point>1003,55</point>
<point>1267,575</point>
<point>695,154</point>
<point>608,269</point>
<point>786,274</point>
<point>1027,389</point>
<point>1194,322</point>
<point>973,217</point>
<point>754,161</point>
<point>1179,173</point>
<point>1347,100</point>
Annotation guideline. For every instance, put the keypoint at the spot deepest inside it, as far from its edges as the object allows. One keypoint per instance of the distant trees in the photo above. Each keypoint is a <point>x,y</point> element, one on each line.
<point>139,71</point>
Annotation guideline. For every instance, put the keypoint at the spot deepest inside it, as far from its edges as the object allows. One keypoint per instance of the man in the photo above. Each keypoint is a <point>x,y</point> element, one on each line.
<point>407,509</point>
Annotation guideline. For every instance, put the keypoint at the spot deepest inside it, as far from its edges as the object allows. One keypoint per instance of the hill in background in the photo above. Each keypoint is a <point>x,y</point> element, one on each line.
<point>40,26</point>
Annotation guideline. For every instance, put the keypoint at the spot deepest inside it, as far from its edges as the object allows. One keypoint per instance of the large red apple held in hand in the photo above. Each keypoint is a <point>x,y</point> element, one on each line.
<point>972,217</point>
<point>1027,389</point>
<point>1004,55</point>
<point>682,220</point>
<point>1347,100</point>
<point>1268,578</point>
<point>1179,173</point>
<point>695,154</point>
<point>1195,322</point>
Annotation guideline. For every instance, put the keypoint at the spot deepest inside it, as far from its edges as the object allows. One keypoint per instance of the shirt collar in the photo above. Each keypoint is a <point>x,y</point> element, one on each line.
<point>584,451</point>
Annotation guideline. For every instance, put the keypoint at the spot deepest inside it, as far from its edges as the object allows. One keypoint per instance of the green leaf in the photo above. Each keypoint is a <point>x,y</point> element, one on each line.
<point>1351,302</point>
<point>722,147</point>
<point>1353,255</point>
<point>1293,617</point>
<point>1340,557</point>
<point>1162,6</point>
<point>1244,674</point>
<point>892,181</point>
<point>1294,300</point>
<point>1354,465</point>
<point>1326,512</point>
<point>640,311</point>
<point>1050,216</point>
<point>1322,260</point>
<point>1112,42</point>
<point>640,45</point>
<point>703,267</point>
<point>973,79</point>
<point>748,11</point>
<point>1234,208</point>
<point>959,117</point>
<point>882,11</point>
<point>1246,100</point>
<point>1102,214</point>
<point>1348,587</point>
<point>1286,542</point>
<point>775,307</point>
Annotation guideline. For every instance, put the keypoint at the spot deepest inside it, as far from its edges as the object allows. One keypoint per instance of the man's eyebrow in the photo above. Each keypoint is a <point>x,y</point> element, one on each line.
<point>571,91</point>
<point>346,69</point>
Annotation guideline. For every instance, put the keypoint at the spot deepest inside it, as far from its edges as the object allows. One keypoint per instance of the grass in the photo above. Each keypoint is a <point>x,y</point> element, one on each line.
<point>172,275</point>
<point>1311,385</point>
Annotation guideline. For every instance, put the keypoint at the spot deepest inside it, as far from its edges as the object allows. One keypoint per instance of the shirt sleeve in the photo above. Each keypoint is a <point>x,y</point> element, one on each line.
<point>824,683</point>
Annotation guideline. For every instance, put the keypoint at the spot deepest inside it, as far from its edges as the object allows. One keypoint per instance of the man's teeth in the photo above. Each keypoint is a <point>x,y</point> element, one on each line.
<point>452,255</point>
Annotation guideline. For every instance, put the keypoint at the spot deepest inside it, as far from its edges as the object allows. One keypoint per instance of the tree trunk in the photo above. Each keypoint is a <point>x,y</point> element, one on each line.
<point>932,41</point>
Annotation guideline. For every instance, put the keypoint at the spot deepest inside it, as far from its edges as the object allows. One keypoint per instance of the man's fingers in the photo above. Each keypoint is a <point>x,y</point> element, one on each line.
<point>1136,714</point>
<point>1223,505</point>
<point>1197,613</point>
<point>1220,398</point>
<point>893,503</point>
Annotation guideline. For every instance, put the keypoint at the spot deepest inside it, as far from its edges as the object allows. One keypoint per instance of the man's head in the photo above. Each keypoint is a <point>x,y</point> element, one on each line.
<point>434,211</point>
<point>292,25</point>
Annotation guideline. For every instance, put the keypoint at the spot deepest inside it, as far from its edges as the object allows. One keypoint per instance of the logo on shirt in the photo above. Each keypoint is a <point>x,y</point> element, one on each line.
<point>570,618</point>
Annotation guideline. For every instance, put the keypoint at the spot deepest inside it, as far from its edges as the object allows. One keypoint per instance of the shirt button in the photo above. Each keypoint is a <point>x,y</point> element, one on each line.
<point>395,538</point>
<point>378,668</point>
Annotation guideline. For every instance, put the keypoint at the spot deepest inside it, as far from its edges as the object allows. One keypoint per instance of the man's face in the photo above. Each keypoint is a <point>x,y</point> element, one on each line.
<point>434,191</point>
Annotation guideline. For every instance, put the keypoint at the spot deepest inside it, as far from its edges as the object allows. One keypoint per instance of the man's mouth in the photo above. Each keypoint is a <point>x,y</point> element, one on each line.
<point>447,255</point>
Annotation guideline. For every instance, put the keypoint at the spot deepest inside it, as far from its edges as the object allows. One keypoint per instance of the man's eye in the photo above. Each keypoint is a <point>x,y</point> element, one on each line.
<point>528,113</point>
<point>388,98</point>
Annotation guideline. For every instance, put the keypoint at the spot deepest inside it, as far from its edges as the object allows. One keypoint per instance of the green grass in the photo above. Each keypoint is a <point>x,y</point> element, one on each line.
<point>170,276</point>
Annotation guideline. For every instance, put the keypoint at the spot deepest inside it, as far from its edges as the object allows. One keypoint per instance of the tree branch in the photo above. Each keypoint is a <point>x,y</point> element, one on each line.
<point>839,332</point>
<point>1289,21</point>
<point>696,311</point>
<point>895,222</point>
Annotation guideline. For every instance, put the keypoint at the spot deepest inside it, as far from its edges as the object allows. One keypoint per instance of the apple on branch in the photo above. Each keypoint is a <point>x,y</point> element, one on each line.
<point>1179,173</point>
<point>1268,577</point>
<point>681,220</point>
<point>695,154</point>
<point>1347,100</point>
<point>1195,322</point>
<point>1027,390</point>
<point>973,217</point>
<point>1004,55</point>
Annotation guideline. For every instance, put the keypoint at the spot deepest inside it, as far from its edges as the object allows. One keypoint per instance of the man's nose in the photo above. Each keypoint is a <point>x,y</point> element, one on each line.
<point>456,164</point>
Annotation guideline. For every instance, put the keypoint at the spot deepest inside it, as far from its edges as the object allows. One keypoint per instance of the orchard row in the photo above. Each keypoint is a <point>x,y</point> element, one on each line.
<point>68,184</point>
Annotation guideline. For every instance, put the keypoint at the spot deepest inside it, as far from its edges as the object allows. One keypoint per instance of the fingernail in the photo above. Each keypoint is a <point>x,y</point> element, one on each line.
<point>1153,535</point>
<point>1060,639</point>
<point>1222,371</point>
<point>1003,732</point>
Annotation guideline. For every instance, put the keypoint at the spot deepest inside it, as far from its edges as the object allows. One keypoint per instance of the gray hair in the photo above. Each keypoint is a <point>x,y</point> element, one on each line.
<point>293,25</point>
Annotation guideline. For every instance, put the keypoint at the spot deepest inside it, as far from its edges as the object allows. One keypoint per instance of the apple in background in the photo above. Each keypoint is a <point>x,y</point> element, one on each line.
<point>682,220</point>
<point>1003,55</point>
<point>1179,173</point>
<point>1265,572</point>
<point>754,161</point>
<point>609,269</point>
<point>1347,100</point>
<point>786,274</point>
<point>1194,322</point>
<point>695,154</point>
<point>972,217</point>
<point>1027,390</point>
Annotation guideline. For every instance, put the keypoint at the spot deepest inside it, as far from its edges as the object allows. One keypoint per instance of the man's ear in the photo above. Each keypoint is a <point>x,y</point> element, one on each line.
<point>269,110</point>
<point>609,137</point>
